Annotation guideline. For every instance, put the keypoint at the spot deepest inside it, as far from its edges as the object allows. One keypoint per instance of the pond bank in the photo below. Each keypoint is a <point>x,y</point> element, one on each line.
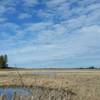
<point>38,93</point>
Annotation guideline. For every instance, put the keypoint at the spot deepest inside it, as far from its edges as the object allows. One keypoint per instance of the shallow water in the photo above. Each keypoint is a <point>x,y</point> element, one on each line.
<point>10,91</point>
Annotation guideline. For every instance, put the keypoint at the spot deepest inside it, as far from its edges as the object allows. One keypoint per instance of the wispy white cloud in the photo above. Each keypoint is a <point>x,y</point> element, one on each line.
<point>30,3</point>
<point>24,16</point>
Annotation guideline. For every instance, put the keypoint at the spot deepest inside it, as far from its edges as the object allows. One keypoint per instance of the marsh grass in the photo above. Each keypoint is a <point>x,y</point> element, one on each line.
<point>84,83</point>
<point>42,93</point>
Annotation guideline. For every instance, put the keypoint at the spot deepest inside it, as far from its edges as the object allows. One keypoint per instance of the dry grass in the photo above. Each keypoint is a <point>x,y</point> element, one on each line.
<point>85,83</point>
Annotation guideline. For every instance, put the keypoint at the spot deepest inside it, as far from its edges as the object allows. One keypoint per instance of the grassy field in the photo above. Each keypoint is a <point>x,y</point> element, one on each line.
<point>84,83</point>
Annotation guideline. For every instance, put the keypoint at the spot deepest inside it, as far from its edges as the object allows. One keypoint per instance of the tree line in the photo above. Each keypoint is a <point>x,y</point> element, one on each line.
<point>3,61</point>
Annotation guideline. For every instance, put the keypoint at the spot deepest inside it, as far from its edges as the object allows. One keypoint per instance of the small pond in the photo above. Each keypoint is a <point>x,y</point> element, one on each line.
<point>10,91</point>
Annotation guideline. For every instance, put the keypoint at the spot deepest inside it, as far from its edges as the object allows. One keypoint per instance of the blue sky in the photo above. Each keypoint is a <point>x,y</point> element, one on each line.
<point>50,33</point>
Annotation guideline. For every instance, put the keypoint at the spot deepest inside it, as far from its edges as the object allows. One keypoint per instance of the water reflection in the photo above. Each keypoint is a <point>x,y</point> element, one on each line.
<point>10,91</point>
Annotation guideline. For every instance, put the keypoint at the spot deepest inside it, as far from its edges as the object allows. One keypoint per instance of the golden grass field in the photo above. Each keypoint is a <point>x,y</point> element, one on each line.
<point>85,83</point>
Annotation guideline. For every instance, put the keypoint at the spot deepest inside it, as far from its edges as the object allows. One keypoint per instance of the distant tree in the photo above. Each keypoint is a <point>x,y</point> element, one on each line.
<point>6,60</point>
<point>3,61</point>
<point>91,67</point>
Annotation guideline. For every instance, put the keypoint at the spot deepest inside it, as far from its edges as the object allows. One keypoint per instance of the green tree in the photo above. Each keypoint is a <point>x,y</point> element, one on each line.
<point>6,60</point>
<point>3,61</point>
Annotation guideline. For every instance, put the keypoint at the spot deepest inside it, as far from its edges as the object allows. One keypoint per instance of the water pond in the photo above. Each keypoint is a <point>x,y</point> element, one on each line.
<point>10,91</point>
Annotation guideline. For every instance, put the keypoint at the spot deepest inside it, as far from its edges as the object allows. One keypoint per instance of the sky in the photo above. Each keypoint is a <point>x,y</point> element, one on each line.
<point>50,33</point>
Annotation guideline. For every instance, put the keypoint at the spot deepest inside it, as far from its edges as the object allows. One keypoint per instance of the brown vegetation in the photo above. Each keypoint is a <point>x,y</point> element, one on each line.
<point>84,83</point>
